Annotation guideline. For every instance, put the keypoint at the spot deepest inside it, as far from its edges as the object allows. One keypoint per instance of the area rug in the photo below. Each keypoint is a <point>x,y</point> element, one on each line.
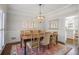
<point>58,49</point>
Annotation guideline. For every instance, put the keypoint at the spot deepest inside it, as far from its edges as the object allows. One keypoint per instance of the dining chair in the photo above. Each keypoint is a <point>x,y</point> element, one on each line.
<point>45,42</point>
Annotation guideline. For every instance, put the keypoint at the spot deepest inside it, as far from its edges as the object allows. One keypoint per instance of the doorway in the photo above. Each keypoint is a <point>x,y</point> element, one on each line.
<point>71,30</point>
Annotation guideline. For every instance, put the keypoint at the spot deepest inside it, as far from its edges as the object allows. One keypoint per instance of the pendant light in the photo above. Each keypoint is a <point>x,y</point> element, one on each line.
<point>40,17</point>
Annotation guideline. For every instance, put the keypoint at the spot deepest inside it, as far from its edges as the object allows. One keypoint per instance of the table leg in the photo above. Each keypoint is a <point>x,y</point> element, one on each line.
<point>21,42</point>
<point>56,40</point>
<point>25,47</point>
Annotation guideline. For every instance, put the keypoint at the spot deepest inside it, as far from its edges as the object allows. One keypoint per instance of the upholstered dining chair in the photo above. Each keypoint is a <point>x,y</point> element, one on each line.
<point>45,42</point>
<point>54,38</point>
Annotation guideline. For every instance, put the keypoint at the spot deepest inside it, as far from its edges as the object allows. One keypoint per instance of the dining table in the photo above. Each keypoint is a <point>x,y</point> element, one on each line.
<point>30,35</point>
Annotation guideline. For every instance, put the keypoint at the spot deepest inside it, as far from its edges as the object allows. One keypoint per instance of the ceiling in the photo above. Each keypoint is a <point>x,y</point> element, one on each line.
<point>32,10</point>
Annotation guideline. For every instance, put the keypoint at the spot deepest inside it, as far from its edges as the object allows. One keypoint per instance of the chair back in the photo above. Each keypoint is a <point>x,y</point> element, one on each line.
<point>46,39</point>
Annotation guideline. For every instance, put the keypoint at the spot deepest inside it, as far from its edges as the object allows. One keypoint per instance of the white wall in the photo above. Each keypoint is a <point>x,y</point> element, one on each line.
<point>15,25</point>
<point>61,30</point>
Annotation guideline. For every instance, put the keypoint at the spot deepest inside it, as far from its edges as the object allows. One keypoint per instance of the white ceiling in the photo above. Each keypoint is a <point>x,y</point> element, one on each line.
<point>32,10</point>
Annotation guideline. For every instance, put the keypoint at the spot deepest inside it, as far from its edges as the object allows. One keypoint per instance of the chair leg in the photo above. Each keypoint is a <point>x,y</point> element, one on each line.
<point>45,47</point>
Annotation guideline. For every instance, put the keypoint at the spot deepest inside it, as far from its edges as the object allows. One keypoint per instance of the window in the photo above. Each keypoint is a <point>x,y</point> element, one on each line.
<point>1,29</point>
<point>53,24</point>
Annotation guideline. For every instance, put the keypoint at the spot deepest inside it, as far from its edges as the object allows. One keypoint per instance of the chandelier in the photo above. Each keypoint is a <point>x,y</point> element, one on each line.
<point>40,17</point>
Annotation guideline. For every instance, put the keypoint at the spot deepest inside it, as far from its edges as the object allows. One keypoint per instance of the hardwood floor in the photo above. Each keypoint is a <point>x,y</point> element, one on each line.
<point>72,41</point>
<point>7,49</point>
<point>74,46</point>
<point>73,51</point>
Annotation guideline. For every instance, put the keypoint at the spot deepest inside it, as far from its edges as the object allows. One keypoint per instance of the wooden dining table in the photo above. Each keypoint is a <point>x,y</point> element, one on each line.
<point>29,36</point>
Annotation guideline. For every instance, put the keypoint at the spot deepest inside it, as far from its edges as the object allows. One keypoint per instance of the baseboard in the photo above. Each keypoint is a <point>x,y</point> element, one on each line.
<point>14,42</point>
<point>61,42</point>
